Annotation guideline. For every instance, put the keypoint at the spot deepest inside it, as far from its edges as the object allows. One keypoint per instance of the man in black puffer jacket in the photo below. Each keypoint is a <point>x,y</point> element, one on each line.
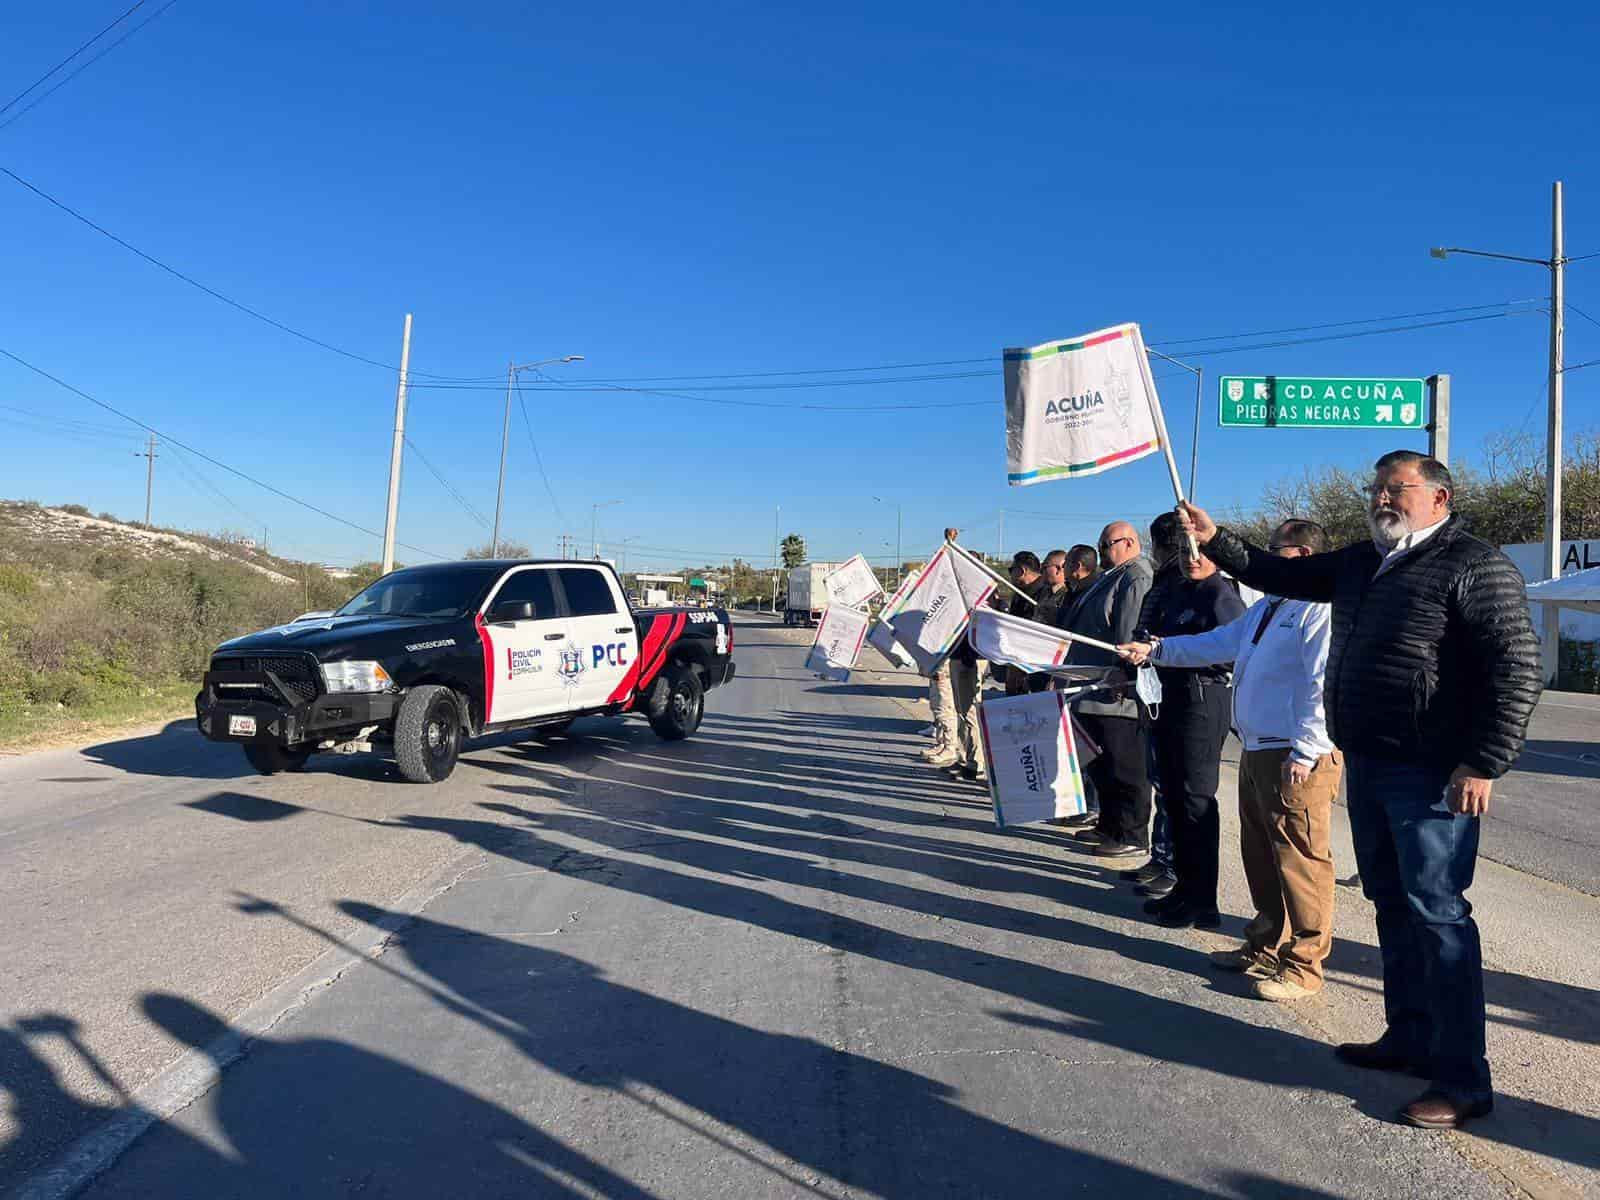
<point>1432,676</point>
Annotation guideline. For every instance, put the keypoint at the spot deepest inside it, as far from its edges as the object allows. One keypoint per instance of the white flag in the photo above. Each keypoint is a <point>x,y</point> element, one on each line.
<point>1003,638</point>
<point>839,636</point>
<point>882,639</point>
<point>1032,760</point>
<point>852,583</point>
<point>1079,407</point>
<point>931,615</point>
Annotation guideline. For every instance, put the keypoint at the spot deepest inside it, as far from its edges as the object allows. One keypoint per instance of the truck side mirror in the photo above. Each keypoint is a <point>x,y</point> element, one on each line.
<point>512,610</point>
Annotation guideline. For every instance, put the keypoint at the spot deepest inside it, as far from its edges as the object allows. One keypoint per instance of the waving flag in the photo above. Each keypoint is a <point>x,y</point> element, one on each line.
<point>1032,758</point>
<point>839,636</point>
<point>881,637</point>
<point>1079,407</point>
<point>852,583</point>
<point>1019,642</point>
<point>932,614</point>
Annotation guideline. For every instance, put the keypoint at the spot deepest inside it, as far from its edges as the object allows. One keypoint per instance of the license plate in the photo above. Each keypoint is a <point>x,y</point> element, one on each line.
<point>242,726</point>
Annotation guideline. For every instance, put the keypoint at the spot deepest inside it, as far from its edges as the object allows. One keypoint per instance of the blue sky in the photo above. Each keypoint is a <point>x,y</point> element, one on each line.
<point>724,190</point>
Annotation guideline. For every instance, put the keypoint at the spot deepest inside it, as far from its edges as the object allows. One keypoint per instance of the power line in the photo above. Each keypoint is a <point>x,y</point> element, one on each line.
<point>76,391</point>
<point>255,314</point>
<point>601,388</point>
<point>527,424</point>
<point>17,116</point>
<point>447,485</point>
<point>20,95</point>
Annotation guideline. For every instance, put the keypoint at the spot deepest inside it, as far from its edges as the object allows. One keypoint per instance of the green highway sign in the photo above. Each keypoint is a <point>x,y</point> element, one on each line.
<point>1259,401</point>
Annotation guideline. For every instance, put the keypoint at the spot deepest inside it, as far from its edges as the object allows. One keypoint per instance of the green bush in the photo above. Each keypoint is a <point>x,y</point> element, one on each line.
<point>17,582</point>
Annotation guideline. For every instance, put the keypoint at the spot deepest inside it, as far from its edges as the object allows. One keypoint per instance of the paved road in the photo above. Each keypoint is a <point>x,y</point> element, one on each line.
<point>1545,816</point>
<point>779,959</point>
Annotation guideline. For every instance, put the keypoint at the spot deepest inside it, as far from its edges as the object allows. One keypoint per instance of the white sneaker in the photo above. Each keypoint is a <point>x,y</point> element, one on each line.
<point>928,730</point>
<point>943,758</point>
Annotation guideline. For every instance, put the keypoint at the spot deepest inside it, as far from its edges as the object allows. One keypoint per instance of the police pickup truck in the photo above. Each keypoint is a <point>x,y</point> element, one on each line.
<point>429,656</point>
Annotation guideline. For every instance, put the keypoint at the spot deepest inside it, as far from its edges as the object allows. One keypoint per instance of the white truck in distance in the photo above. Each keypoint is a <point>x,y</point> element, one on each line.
<point>807,596</point>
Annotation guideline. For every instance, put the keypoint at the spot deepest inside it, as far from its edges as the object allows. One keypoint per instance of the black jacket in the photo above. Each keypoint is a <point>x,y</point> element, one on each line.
<point>1183,606</point>
<point>1435,660</point>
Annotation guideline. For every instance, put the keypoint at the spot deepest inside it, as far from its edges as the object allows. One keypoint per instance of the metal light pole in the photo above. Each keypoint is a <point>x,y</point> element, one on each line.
<point>897,559</point>
<point>1556,265</point>
<point>594,523</point>
<point>505,435</point>
<point>776,541</point>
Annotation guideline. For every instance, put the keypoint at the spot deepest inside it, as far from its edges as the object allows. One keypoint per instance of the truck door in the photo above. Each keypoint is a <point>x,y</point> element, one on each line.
<point>602,632</point>
<point>522,656</point>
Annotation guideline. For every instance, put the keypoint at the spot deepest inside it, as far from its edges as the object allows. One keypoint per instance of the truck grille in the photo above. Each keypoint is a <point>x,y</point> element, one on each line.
<point>297,677</point>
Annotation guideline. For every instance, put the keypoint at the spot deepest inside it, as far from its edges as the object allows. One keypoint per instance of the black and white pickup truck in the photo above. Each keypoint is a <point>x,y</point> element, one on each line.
<point>429,656</point>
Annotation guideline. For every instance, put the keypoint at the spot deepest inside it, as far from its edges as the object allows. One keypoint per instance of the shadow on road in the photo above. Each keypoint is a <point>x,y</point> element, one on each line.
<point>178,751</point>
<point>708,827</point>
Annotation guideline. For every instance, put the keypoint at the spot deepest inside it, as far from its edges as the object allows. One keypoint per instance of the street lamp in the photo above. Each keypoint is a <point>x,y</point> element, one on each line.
<point>1555,264</point>
<point>594,523</point>
<point>505,436</point>
<point>897,515</point>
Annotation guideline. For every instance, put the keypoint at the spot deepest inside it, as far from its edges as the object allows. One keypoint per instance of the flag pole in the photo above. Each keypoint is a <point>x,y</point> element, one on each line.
<point>1161,430</point>
<point>992,573</point>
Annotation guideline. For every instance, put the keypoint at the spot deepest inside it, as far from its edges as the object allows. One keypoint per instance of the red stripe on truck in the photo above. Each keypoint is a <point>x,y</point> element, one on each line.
<point>488,667</point>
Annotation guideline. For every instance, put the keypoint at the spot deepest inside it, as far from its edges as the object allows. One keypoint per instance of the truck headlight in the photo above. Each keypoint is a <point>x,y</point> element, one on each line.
<point>355,676</point>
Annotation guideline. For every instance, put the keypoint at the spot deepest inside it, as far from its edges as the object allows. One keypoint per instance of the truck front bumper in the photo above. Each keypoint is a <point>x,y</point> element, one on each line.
<point>323,718</point>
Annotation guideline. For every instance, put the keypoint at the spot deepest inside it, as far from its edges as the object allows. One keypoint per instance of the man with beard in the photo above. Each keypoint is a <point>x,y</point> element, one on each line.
<point>1433,673</point>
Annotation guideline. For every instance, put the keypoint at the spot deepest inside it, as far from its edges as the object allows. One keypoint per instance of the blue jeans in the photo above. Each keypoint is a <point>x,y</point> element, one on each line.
<point>1416,859</point>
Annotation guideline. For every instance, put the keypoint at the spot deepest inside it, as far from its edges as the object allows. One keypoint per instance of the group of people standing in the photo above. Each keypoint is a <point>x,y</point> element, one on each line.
<point>1404,669</point>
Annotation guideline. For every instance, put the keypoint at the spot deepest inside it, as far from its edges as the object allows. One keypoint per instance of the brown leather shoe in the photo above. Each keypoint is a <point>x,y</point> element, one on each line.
<point>1435,1110</point>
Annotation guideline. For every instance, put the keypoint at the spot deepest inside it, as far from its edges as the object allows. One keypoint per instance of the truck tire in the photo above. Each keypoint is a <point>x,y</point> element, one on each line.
<point>686,704</point>
<point>427,734</point>
<point>269,758</point>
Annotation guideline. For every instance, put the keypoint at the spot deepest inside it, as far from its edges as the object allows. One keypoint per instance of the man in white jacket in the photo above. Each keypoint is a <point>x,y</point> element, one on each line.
<point>1288,775</point>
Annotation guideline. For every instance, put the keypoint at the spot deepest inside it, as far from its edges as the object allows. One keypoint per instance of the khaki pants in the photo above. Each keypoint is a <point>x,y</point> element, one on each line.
<point>943,702</point>
<point>969,740</point>
<point>1285,840</point>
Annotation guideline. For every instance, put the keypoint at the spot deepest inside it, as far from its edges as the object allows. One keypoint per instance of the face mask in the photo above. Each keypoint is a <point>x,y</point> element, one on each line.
<point>1147,686</point>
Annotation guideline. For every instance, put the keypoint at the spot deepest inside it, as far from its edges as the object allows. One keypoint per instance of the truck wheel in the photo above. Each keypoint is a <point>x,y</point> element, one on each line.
<point>686,704</point>
<point>427,734</point>
<point>269,758</point>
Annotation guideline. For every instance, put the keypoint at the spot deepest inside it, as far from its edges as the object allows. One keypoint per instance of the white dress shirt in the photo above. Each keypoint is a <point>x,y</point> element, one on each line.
<point>1407,544</point>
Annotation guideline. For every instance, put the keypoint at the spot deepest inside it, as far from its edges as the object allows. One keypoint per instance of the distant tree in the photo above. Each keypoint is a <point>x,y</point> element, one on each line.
<point>793,551</point>
<point>507,550</point>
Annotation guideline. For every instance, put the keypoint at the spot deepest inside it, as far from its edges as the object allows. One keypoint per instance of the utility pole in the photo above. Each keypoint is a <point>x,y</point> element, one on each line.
<point>393,513</point>
<point>505,437</point>
<point>149,455</point>
<point>776,542</point>
<point>1552,497</point>
<point>1002,535</point>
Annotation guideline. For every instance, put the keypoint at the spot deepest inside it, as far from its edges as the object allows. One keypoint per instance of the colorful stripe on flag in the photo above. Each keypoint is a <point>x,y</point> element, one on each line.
<point>1098,464</point>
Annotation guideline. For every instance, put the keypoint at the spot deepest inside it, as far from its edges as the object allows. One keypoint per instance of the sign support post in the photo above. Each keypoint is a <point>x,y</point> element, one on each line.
<point>1439,418</point>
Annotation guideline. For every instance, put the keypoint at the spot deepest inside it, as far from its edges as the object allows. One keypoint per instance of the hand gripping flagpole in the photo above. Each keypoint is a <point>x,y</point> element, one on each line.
<point>1161,430</point>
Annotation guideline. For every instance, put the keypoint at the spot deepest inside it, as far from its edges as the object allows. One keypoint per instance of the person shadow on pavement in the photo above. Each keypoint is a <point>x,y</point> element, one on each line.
<point>315,1116</point>
<point>871,1126</point>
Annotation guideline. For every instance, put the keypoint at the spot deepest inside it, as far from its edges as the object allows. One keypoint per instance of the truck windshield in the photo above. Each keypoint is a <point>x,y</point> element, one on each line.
<point>417,594</point>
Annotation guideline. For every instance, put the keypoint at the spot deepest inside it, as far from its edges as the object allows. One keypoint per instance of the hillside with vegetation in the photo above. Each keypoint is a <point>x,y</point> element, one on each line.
<point>102,621</point>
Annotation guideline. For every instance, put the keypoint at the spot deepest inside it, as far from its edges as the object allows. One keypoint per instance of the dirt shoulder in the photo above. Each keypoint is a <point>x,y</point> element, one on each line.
<point>54,728</point>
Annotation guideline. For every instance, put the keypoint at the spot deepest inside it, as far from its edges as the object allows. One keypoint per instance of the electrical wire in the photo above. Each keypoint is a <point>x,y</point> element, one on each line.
<point>9,104</point>
<point>527,424</point>
<point>255,314</point>
<point>22,112</point>
<point>447,485</point>
<point>166,437</point>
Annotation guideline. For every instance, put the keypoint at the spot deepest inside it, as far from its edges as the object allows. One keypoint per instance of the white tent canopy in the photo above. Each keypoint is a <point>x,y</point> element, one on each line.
<point>1579,590</point>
